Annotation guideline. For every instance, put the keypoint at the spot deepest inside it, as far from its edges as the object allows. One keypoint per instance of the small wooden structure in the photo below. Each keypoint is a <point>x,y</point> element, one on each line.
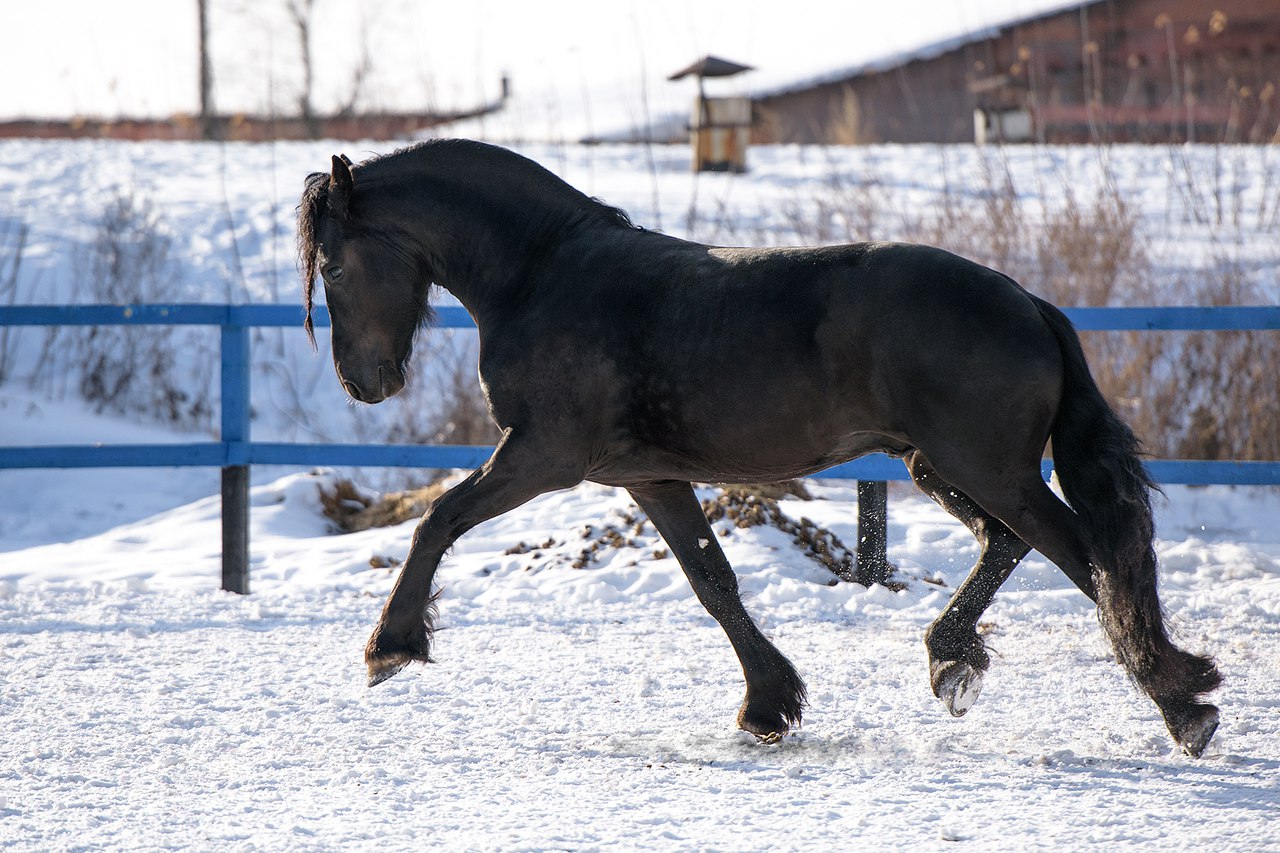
<point>720,127</point>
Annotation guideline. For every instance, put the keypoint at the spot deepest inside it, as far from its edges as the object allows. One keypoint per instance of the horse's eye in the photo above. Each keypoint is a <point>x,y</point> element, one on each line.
<point>335,273</point>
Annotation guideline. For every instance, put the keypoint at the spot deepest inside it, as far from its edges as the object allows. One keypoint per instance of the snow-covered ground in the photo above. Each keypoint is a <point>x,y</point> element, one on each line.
<point>592,708</point>
<point>575,708</point>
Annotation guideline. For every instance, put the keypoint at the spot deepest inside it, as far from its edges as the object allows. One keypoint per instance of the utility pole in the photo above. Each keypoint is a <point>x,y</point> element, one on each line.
<point>301,11</point>
<point>208,123</point>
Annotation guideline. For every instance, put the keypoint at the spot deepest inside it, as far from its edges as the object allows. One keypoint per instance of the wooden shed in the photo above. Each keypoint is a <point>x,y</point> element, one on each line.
<point>720,127</point>
<point>1102,71</point>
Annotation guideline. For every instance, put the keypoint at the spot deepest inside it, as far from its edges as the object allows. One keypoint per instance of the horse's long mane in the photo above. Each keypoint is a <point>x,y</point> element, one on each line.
<point>456,161</point>
<point>314,200</point>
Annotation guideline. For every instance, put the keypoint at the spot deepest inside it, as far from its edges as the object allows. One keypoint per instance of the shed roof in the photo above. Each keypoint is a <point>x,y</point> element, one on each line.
<point>924,52</point>
<point>711,66</point>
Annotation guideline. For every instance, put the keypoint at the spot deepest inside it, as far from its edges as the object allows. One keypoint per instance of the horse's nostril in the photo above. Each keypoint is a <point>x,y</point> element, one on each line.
<point>390,379</point>
<point>353,389</point>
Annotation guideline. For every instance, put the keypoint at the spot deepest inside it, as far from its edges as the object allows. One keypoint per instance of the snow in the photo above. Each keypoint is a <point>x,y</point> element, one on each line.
<point>572,708</point>
<point>586,709</point>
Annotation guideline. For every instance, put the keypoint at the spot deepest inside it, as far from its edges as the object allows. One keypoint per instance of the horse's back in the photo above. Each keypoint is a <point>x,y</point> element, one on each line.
<point>898,312</point>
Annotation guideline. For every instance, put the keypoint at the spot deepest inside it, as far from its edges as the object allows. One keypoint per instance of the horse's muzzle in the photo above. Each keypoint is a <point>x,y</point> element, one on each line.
<point>389,382</point>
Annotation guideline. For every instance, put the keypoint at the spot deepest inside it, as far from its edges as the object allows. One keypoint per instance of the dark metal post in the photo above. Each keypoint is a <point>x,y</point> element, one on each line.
<point>235,470</point>
<point>235,528</point>
<point>873,534</point>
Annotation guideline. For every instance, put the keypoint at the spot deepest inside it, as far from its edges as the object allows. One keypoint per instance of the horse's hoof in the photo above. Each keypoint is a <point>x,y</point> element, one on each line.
<point>766,734</point>
<point>383,668</point>
<point>1196,729</point>
<point>957,684</point>
<point>768,728</point>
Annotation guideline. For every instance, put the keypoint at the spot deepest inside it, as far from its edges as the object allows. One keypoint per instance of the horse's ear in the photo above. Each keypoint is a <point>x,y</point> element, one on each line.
<point>341,185</point>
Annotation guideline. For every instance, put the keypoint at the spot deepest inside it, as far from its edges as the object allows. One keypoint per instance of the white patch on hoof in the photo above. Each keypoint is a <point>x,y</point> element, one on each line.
<point>702,543</point>
<point>959,688</point>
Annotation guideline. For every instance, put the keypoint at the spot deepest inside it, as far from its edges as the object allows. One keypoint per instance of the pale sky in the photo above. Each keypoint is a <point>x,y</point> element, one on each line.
<point>138,57</point>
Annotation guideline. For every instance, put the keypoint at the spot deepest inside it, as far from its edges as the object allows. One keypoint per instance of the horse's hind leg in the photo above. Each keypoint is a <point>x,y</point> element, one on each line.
<point>775,692</point>
<point>957,656</point>
<point>1053,529</point>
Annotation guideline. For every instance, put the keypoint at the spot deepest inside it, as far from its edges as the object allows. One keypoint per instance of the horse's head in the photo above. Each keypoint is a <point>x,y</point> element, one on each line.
<point>375,291</point>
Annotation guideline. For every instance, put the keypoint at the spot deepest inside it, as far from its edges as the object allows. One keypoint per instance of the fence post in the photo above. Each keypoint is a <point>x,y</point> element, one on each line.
<point>235,470</point>
<point>873,535</point>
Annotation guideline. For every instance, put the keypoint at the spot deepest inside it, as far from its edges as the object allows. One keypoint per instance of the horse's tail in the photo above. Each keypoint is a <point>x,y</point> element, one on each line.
<point>1096,457</point>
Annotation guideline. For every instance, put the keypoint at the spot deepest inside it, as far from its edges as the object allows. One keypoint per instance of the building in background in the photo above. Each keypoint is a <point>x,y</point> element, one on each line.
<point>1101,71</point>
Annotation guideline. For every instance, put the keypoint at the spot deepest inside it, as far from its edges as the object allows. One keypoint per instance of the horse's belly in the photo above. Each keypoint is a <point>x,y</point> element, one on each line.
<point>742,457</point>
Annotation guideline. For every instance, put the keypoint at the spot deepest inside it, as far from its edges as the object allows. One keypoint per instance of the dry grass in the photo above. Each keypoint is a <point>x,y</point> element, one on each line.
<point>352,509</point>
<point>13,242</point>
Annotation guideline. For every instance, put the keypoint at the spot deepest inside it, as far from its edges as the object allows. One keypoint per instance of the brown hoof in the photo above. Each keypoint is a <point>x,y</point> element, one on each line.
<point>384,667</point>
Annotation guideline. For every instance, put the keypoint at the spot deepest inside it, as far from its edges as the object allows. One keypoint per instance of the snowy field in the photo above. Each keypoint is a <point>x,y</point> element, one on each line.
<point>592,708</point>
<point>571,709</point>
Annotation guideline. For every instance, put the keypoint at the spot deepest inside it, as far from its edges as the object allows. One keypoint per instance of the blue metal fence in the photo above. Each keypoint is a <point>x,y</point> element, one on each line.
<point>235,452</point>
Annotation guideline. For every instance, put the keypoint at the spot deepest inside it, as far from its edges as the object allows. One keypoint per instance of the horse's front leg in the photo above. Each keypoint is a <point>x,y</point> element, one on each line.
<point>516,473</point>
<point>775,693</point>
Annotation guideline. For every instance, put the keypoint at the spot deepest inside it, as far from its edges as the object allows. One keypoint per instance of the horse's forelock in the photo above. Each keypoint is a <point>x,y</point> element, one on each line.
<point>315,199</point>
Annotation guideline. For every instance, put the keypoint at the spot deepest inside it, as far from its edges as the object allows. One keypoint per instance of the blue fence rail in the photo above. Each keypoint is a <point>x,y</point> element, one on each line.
<point>235,452</point>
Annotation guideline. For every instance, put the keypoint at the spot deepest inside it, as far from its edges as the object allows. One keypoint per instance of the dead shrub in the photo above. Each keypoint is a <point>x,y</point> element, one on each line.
<point>1092,254</point>
<point>1225,382</point>
<point>352,509</point>
<point>162,371</point>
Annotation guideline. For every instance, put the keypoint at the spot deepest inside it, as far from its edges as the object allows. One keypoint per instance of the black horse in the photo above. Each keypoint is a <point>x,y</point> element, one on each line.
<point>626,357</point>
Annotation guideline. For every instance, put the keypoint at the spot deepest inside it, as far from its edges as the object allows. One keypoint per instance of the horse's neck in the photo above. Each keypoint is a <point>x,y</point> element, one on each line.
<point>486,254</point>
